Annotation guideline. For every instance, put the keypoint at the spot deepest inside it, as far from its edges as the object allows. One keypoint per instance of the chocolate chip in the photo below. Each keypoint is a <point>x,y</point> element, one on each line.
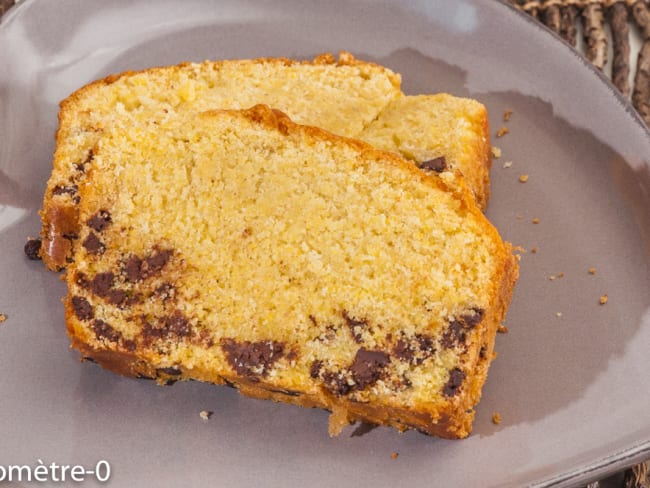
<point>82,166</point>
<point>93,244</point>
<point>438,164</point>
<point>177,324</point>
<point>151,332</point>
<point>426,344</point>
<point>133,268</point>
<point>102,283</point>
<point>173,326</point>
<point>157,261</point>
<point>356,326</point>
<point>315,368</point>
<point>456,377</point>
<point>292,355</point>
<point>252,358</point>
<point>368,366</point>
<point>336,382</point>
<point>99,221</point>
<point>65,189</point>
<point>474,318</point>
<point>414,350</point>
<point>82,308</point>
<point>403,351</point>
<point>116,297</point>
<point>82,280</point>
<point>105,331</point>
<point>129,345</point>
<point>457,330</point>
<point>454,335</point>
<point>137,269</point>
<point>165,292</point>
<point>32,249</point>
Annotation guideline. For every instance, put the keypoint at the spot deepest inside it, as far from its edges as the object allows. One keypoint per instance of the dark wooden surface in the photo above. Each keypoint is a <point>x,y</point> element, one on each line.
<point>562,16</point>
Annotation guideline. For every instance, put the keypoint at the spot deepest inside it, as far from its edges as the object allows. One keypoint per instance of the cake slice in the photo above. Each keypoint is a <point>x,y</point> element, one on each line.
<point>442,131</point>
<point>344,96</point>
<point>240,248</point>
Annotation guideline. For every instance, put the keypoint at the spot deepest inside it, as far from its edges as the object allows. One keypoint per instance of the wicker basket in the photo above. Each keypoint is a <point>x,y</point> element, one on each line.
<point>600,22</point>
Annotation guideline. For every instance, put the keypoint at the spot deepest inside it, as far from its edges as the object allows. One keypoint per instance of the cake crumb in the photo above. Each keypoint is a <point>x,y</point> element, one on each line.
<point>205,414</point>
<point>394,455</point>
<point>551,278</point>
<point>502,131</point>
<point>558,314</point>
<point>496,418</point>
<point>502,329</point>
<point>603,299</point>
<point>560,274</point>
<point>523,178</point>
<point>496,152</point>
<point>507,164</point>
<point>534,249</point>
<point>506,115</point>
<point>592,271</point>
<point>535,220</point>
<point>3,317</point>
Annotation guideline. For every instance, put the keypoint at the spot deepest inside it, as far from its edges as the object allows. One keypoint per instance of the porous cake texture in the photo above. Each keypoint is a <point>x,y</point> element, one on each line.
<point>346,96</point>
<point>240,248</point>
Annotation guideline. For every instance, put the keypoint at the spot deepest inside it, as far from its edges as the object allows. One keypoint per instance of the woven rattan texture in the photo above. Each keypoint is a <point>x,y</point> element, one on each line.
<point>594,18</point>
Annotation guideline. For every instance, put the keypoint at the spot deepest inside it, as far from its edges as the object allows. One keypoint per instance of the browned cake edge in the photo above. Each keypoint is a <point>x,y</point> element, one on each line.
<point>452,423</point>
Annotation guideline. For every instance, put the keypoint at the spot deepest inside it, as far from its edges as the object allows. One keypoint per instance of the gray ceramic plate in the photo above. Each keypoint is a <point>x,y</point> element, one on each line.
<point>571,381</point>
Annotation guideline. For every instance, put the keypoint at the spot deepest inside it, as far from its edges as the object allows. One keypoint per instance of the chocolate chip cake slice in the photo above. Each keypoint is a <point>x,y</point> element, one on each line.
<point>345,96</point>
<point>239,248</point>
